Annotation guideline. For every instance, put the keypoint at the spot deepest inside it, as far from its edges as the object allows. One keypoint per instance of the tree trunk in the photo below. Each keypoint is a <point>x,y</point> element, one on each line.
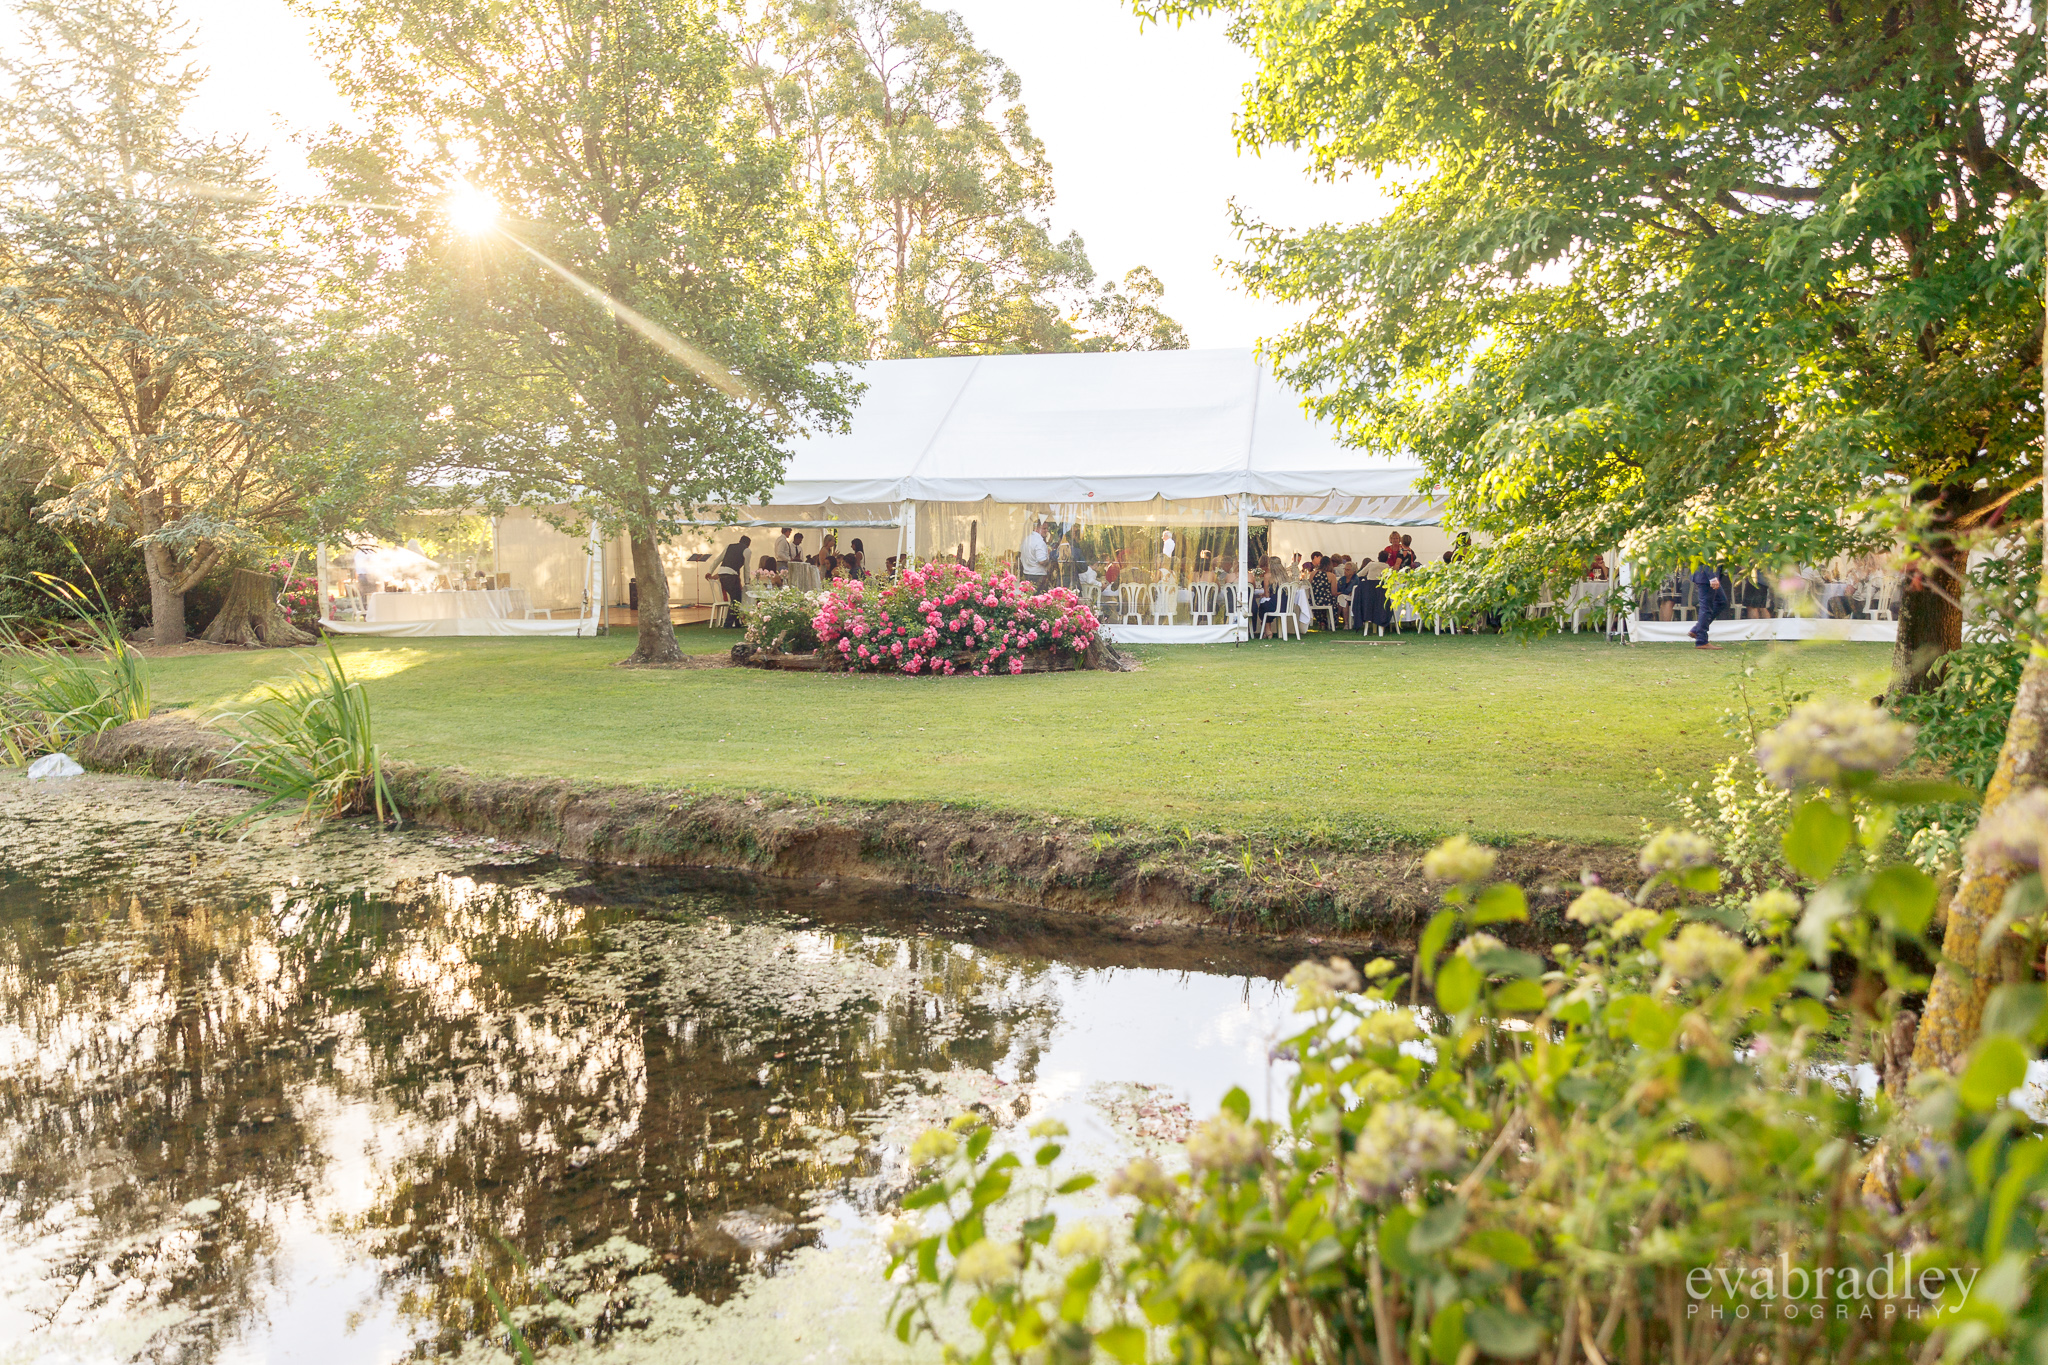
<point>657,643</point>
<point>166,601</point>
<point>1969,970</point>
<point>1931,614</point>
<point>251,616</point>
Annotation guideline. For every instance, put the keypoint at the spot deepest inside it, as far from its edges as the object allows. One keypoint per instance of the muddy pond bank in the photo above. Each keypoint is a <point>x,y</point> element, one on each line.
<point>301,1095</point>
<point>1137,876</point>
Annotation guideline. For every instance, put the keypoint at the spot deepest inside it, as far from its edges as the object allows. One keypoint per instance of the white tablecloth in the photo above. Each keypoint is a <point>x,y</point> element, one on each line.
<point>493,604</point>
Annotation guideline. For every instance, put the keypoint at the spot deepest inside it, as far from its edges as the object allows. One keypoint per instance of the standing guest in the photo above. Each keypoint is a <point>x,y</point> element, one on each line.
<point>857,561</point>
<point>796,549</point>
<point>1064,560</point>
<point>1710,586</point>
<point>783,548</point>
<point>732,565</point>
<point>1166,551</point>
<point>1034,558</point>
<point>1390,553</point>
<point>1298,570</point>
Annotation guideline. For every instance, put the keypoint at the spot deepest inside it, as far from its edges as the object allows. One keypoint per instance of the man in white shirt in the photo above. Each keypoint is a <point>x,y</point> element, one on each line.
<point>1033,558</point>
<point>782,549</point>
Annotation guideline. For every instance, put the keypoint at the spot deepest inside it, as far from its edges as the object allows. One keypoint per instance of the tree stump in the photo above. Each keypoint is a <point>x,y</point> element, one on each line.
<point>251,616</point>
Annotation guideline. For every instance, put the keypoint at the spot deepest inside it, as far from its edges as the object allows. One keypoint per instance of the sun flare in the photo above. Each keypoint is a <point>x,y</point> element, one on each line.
<point>471,210</point>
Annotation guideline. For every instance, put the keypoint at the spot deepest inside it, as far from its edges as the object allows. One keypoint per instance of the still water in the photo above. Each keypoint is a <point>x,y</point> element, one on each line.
<point>300,1096</point>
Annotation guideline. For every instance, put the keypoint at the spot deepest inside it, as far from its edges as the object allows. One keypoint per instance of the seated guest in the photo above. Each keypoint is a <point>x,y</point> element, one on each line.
<point>1598,571</point>
<point>1408,557</point>
<point>1322,588</point>
<point>1347,585</point>
<point>764,572</point>
<point>1369,599</point>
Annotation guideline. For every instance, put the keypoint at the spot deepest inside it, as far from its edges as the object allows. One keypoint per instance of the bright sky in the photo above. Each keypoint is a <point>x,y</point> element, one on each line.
<point>1137,123</point>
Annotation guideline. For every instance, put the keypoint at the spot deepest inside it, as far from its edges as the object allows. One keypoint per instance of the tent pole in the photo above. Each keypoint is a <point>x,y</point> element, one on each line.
<point>1244,551</point>
<point>326,609</point>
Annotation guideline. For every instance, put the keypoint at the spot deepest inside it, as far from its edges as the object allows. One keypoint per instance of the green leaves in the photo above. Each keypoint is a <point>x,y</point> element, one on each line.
<point>1998,1066</point>
<point>1816,839</point>
<point>1457,986</point>
<point>1498,1332</point>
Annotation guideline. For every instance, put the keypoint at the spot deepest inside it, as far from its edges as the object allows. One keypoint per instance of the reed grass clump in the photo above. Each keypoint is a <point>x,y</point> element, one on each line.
<point>309,741</point>
<point>68,674</point>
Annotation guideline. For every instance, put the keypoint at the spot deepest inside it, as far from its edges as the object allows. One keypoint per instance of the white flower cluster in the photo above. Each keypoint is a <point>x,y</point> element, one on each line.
<point>1674,850</point>
<point>1699,950</point>
<point>1597,905</point>
<point>1474,944</point>
<point>1401,1142</point>
<point>1224,1144</point>
<point>1387,1028</point>
<point>1458,859</point>
<point>1083,1241</point>
<point>1317,985</point>
<point>988,1262</point>
<point>1821,740</point>
<point>1774,909</point>
<point>2012,834</point>
<point>1141,1179</point>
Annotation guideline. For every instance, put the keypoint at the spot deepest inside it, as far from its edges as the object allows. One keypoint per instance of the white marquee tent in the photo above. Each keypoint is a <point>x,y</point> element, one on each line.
<point>1162,469</point>
<point>1169,456</point>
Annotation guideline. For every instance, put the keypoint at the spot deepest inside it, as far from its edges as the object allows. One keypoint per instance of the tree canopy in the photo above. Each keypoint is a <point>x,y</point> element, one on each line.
<point>630,324</point>
<point>916,148</point>
<point>1696,280</point>
<point>143,301</point>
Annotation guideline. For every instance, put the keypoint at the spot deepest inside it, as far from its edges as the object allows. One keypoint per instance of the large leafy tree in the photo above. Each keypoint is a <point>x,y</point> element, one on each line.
<point>635,331</point>
<point>1699,280</point>
<point>916,147</point>
<point>142,300</point>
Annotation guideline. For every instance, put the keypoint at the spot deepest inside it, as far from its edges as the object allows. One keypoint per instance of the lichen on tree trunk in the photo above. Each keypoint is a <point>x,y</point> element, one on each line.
<point>251,615</point>
<point>1970,968</point>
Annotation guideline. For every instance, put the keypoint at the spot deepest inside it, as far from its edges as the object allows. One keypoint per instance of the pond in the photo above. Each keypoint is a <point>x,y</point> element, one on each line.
<point>301,1096</point>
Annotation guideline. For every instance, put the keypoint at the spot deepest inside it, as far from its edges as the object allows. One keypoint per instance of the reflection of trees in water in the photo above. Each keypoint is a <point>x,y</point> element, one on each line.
<point>557,1072</point>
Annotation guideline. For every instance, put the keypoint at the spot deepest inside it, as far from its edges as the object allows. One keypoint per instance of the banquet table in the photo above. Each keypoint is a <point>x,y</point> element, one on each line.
<point>499,604</point>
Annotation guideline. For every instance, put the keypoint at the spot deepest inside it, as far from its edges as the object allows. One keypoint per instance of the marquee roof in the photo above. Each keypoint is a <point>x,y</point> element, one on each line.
<point>1117,426</point>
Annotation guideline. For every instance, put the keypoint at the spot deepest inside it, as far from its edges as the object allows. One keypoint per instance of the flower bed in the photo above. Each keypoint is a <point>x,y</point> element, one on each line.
<point>947,618</point>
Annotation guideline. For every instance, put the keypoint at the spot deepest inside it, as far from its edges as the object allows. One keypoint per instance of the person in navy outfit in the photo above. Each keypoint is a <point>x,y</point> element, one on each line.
<point>1710,589</point>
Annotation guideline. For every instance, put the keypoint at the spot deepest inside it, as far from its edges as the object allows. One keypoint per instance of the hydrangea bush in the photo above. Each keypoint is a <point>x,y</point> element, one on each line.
<point>947,618</point>
<point>782,619</point>
<point>1664,1143</point>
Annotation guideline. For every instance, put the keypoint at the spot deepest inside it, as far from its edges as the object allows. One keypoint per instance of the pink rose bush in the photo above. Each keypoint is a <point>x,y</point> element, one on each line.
<point>947,618</point>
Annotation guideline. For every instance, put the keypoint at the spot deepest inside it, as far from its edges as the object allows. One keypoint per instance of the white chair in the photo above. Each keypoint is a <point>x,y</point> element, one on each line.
<point>1165,601</point>
<point>1283,611</point>
<point>1131,600</point>
<point>1202,604</point>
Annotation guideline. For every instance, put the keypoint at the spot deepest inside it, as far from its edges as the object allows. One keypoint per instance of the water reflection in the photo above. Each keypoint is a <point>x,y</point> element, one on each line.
<point>249,1116</point>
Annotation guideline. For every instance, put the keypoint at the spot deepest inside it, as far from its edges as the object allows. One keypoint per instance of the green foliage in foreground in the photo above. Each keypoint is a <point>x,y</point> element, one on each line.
<point>1326,740</point>
<point>308,741</point>
<point>1653,1147</point>
<point>64,679</point>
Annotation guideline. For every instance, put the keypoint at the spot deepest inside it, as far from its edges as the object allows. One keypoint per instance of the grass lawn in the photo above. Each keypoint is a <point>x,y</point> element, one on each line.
<point>1329,738</point>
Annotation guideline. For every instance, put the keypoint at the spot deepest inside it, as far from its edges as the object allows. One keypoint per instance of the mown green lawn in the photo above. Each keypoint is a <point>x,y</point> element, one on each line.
<point>1329,737</point>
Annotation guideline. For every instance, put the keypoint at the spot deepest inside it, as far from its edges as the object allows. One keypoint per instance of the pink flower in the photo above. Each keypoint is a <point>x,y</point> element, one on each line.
<point>1016,665</point>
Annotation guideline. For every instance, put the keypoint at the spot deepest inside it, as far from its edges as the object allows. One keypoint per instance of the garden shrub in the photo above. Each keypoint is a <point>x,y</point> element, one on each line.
<point>1667,1143</point>
<point>783,619</point>
<point>947,618</point>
